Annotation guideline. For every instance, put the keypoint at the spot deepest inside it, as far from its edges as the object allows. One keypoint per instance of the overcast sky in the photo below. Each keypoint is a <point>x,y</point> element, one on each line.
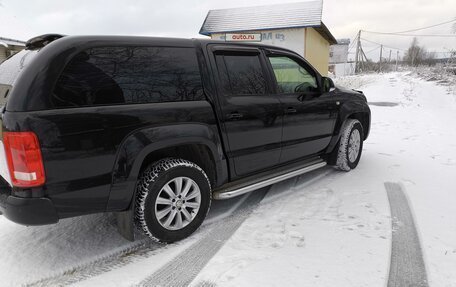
<point>22,19</point>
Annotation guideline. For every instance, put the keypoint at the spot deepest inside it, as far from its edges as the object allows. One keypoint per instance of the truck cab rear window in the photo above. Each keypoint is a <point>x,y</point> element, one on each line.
<point>117,75</point>
<point>241,74</point>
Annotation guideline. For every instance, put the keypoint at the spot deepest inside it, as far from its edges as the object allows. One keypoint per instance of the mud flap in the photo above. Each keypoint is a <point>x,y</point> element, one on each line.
<point>331,158</point>
<point>125,224</point>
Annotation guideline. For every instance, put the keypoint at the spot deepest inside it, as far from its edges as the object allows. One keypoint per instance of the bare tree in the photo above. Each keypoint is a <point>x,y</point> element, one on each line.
<point>451,63</point>
<point>418,55</point>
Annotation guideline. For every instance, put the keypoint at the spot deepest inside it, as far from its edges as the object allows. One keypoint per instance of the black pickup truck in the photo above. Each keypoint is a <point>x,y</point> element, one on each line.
<point>153,129</point>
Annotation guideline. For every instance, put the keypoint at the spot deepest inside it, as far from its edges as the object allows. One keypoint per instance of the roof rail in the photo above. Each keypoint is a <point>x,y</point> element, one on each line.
<point>41,41</point>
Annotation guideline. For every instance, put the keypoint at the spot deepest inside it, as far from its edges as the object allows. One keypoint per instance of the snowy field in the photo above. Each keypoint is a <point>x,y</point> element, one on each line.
<point>326,228</point>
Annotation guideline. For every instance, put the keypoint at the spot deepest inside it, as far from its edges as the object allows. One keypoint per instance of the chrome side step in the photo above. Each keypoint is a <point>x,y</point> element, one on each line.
<point>226,193</point>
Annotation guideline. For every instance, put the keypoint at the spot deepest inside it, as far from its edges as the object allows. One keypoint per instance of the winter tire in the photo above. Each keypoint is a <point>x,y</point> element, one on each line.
<point>173,197</point>
<point>350,145</point>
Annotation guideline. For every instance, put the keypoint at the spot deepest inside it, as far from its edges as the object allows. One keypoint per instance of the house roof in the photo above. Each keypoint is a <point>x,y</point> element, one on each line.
<point>344,41</point>
<point>11,42</point>
<point>279,16</point>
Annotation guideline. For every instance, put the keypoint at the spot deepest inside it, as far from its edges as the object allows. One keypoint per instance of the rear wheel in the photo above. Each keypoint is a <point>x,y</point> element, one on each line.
<point>173,197</point>
<point>350,145</point>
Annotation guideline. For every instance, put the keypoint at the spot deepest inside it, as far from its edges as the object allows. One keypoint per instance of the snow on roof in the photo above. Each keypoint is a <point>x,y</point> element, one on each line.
<point>301,14</point>
<point>278,16</point>
<point>11,42</point>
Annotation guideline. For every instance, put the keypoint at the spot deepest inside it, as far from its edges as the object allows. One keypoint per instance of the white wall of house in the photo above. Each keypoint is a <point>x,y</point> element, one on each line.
<point>342,69</point>
<point>293,39</point>
<point>338,54</point>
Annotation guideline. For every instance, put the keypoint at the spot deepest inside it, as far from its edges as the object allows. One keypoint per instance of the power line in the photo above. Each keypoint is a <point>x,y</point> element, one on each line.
<point>402,33</point>
<point>372,50</point>
<point>412,35</point>
<point>370,41</point>
<point>393,48</point>
<point>427,27</point>
<point>359,61</point>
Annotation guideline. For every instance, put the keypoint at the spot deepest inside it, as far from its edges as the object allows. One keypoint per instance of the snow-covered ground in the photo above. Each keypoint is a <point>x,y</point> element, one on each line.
<point>326,228</point>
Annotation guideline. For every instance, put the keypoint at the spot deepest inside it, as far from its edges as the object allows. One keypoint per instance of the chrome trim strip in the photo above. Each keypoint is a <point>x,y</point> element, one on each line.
<point>220,195</point>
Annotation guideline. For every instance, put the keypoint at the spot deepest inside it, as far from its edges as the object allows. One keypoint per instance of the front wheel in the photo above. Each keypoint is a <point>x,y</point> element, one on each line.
<point>350,145</point>
<point>173,197</point>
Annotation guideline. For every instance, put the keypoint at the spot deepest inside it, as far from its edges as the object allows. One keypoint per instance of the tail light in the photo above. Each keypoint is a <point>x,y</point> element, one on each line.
<point>23,155</point>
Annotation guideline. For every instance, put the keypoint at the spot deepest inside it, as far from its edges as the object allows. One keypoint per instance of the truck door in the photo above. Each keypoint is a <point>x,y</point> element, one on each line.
<point>309,114</point>
<point>250,115</point>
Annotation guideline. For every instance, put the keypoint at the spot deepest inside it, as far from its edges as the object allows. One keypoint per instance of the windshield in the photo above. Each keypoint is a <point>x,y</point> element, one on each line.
<point>10,70</point>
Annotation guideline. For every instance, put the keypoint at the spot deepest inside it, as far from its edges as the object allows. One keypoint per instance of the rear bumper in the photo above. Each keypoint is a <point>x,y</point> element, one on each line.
<point>28,211</point>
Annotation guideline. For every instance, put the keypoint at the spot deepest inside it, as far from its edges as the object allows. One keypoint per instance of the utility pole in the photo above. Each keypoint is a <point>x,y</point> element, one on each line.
<point>380,62</point>
<point>389,59</point>
<point>363,57</point>
<point>358,44</point>
<point>397,58</point>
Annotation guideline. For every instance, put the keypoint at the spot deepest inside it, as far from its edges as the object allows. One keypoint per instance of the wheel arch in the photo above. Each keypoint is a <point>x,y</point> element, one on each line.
<point>197,143</point>
<point>364,119</point>
<point>351,110</point>
<point>198,153</point>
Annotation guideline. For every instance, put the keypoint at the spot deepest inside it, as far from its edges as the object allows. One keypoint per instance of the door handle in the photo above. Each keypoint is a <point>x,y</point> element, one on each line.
<point>290,110</point>
<point>234,116</point>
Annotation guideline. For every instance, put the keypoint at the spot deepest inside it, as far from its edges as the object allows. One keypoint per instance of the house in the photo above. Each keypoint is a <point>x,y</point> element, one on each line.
<point>296,26</point>
<point>9,47</point>
<point>338,53</point>
<point>338,59</point>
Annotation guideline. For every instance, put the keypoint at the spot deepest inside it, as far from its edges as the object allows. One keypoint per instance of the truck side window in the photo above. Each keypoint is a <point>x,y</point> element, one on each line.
<point>117,75</point>
<point>241,74</point>
<point>292,77</point>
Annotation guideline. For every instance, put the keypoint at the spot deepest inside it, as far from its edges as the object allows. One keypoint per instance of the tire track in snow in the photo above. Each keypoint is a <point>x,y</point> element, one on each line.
<point>407,265</point>
<point>141,249</point>
<point>146,248</point>
<point>182,269</point>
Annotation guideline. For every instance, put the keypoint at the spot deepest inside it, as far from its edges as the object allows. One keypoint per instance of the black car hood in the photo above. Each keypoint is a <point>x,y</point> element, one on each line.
<point>351,92</point>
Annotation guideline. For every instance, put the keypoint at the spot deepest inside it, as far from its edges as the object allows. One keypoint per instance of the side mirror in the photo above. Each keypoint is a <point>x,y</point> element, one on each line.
<point>327,84</point>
